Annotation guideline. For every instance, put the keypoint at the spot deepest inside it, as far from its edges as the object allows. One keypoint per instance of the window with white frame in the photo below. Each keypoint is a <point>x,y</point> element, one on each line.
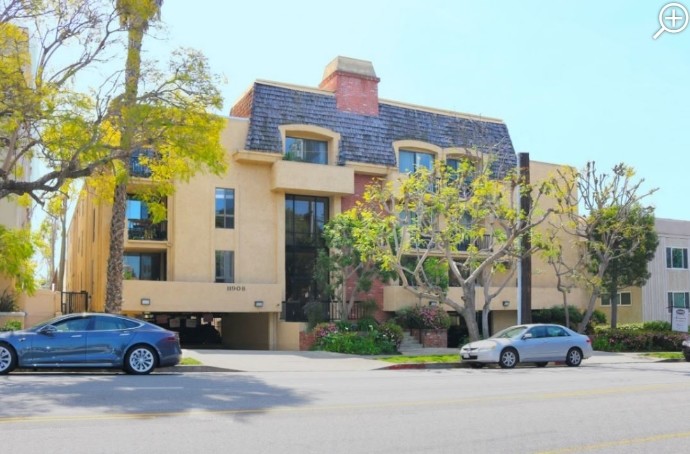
<point>306,150</point>
<point>622,299</point>
<point>225,208</point>
<point>677,258</point>
<point>409,161</point>
<point>679,299</point>
<point>225,266</point>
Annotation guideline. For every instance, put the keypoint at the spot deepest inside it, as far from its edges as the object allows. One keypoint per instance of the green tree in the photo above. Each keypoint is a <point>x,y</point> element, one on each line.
<point>466,220</point>
<point>607,231</point>
<point>170,120</point>
<point>634,250</point>
<point>16,252</point>
<point>43,118</point>
<point>345,271</point>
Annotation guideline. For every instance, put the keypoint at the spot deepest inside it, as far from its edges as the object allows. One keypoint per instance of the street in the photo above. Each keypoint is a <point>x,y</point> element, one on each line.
<point>616,408</point>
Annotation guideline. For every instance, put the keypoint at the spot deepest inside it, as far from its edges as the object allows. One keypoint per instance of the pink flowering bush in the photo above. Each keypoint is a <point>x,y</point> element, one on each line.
<point>423,317</point>
<point>372,339</point>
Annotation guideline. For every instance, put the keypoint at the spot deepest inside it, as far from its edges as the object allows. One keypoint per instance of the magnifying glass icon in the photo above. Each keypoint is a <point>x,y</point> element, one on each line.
<point>670,13</point>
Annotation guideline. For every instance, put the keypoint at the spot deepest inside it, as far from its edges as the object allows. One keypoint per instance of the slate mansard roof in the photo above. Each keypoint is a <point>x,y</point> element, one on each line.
<point>369,139</point>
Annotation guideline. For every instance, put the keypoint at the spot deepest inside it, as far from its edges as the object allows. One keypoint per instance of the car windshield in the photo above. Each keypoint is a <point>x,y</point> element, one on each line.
<point>509,332</point>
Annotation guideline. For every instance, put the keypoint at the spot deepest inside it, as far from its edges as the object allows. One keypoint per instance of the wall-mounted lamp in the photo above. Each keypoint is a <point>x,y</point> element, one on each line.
<point>433,303</point>
<point>145,301</point>
<point>258,304</point>
<point>506,303</point>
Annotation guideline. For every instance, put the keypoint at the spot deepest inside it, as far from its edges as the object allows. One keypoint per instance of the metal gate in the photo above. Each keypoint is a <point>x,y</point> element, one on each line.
<point>72,302</point>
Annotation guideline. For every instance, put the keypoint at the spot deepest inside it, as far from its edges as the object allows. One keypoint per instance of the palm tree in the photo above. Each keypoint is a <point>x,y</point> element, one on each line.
<point>135,16</point>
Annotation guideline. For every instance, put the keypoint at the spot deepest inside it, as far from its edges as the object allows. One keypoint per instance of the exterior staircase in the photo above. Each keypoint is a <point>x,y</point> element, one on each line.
<point>409,343</point>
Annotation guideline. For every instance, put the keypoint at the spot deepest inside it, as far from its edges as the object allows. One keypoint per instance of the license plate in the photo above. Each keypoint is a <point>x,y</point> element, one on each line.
<point>465,355</point>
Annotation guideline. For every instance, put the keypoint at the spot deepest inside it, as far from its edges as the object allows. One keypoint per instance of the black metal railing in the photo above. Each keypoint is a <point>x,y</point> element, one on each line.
<point>296,311</point>
<point>74,302</point>
<point>143,229</point>
<point>483,244</point>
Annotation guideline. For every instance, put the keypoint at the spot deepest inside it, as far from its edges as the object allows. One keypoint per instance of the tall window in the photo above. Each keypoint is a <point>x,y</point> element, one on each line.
<point>622,299</point>
<point>225,266</point>
<point>676,258</point>
<point>410,161</point>
<point>306,150</point>
<point>225,208</point>
<point>305,218</point>
<point>679,299</point>
<point>139,223</point>
<point>144,266</point>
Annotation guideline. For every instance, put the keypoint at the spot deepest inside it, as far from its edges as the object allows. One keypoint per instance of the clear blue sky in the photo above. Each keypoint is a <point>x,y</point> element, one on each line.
<point>574,81</point>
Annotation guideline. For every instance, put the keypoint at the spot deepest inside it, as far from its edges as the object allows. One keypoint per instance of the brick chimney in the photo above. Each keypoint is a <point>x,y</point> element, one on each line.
<point>355,85</point>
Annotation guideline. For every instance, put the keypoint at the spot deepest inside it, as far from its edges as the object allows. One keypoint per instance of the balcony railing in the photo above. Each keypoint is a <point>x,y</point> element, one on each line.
<point>143,229</point>
<point>483,244</point>
<point>294,311</point>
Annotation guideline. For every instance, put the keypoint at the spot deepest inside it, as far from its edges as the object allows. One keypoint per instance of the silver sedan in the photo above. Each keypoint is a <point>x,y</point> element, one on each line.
<point>90,341</point>
<point>530,343</point>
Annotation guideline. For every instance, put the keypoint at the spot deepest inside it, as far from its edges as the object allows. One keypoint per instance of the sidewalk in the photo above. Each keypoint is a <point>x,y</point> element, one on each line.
<point>315,361</point>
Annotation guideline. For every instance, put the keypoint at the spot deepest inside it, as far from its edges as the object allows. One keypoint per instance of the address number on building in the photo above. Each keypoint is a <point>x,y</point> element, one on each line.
<point>236,288</point>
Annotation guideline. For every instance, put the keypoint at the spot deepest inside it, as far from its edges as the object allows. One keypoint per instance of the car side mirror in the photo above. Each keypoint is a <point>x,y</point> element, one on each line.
<point>48,329</point>
<point>527,336</point>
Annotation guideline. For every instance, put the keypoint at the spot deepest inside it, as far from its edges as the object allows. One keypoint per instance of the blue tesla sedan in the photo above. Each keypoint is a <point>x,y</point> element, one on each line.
<point>90,340</point>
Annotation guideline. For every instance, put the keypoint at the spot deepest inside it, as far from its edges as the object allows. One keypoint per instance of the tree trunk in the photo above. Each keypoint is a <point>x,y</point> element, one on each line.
<point>613,293</point>
<point>485,321</point>
<point>113,302</point>
<point>113,293</point>
<point>63,250</point>
<point>469,312</point>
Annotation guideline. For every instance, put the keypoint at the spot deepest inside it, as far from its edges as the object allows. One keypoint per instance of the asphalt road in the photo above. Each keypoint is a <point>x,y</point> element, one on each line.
<point>620,408</point>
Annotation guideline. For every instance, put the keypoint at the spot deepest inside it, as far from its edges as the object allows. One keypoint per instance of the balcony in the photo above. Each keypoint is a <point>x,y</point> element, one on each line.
<point>177,296</point>
<point>483,244</point>
<point>144,229</point>
<point>316,179</point>
<point>136,169</point>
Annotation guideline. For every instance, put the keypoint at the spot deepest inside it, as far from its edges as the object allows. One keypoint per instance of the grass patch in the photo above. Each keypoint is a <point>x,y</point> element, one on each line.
<point>190,362</point>
<point>665,355</point>
<point>416,359</point>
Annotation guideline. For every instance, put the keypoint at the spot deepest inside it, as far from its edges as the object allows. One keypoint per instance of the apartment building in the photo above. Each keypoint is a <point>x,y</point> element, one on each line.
<point>237,250</point>
<point>669,283</point>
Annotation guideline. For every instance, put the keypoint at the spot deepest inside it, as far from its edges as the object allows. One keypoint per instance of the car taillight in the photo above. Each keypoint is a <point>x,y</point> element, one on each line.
<point>589,341</point>
<point>172,338</point>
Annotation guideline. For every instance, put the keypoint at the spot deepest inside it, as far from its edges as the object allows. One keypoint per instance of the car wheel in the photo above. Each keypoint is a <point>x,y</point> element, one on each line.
<point>509,358</point>
<point>8,359</point>
<point>140,360</point>
<point>574,357</point>
<point>476,365</point>
<point>541,364</point>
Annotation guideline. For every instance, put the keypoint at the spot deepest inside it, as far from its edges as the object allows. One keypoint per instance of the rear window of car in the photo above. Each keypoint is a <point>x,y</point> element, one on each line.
<point>113,323</point>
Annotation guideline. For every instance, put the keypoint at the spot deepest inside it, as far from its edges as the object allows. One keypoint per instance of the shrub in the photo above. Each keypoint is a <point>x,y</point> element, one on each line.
<point>556,314</point>
<point>632,338</point>
<point>12,325</point>
<point>423,317</point>
<point>343,337</point>
<point>657,325</point>
<point>8,302</point>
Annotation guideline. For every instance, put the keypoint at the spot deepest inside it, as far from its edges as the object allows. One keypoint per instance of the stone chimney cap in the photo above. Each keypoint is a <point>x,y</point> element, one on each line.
<point>351,66</point>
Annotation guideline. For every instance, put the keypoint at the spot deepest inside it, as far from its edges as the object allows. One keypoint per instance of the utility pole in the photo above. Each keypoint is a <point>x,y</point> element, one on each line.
<point>525,270</point>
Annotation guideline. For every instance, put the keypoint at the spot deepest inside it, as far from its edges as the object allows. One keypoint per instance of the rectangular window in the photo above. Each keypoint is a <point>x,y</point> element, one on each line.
<point>676,258</point>
<point>225,266</point>
<point>225,208</point>
<point>144,266</point>
<point>679,299</point>
<point>622,299</point>
<point>410,161</point>
<point>306,150</point>
<point>139,223</point>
